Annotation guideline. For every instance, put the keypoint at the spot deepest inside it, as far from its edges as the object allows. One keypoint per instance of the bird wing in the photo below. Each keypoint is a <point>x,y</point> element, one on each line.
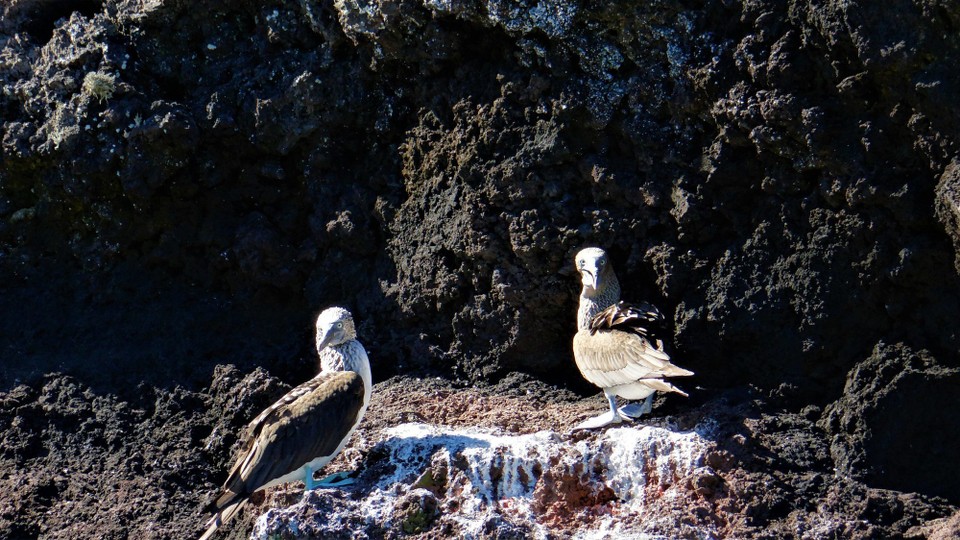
<point>613,357</point>
<point>643,319</point>
<point>308,422</point>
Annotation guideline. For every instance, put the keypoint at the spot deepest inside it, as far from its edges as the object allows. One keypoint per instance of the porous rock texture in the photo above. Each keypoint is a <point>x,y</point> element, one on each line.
<point>184,184</point>
<point>472,482</point>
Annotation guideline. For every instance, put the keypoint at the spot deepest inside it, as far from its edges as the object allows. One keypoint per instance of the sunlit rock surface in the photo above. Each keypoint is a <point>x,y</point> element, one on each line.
<point>475,483</point>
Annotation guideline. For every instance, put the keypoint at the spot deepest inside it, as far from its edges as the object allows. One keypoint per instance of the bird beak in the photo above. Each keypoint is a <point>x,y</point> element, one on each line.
<point>324,337</point>
<point>590,278</point>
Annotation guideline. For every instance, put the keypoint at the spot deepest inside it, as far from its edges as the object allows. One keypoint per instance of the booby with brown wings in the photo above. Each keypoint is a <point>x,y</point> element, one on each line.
<point>307,427</point>
<point>618,346</point>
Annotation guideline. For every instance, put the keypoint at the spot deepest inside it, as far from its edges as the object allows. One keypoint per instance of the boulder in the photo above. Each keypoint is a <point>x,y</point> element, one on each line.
<point>895,427</point>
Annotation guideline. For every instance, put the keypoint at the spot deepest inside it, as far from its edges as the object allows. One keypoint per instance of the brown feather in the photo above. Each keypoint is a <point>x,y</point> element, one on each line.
<point>222,516</point>
<point>618,345</point>
<point>642,319</point>
<point>613,357</point>
<point>289,434</point>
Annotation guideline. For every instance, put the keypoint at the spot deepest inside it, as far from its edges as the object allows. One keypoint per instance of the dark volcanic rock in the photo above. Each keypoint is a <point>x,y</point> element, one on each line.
<point>895,427</point>
<point>938,529</point>
<point>948,205</point>
<point>79,464</point>
<point>766,175</point>
<point>184,184</point>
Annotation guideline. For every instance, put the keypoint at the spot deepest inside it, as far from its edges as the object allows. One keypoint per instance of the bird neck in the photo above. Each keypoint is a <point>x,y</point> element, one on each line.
<point>591,304</point>
<point>347,356</point>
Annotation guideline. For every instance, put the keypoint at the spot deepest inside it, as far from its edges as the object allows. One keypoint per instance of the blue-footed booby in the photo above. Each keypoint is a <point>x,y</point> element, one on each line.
<point>308,426</point>
<point>617,345</point>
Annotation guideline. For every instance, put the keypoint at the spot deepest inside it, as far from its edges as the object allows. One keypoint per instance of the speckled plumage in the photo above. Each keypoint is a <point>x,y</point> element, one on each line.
<point>615,346</point>
<point>306,428</point>
<point>594,300</point>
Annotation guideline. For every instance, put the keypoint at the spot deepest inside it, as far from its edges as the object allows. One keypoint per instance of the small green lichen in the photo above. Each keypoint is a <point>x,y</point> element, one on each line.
<point>99,85</point>
<point>416,522</point>
<point>426,480</point>
<point>416,511</point>
<point>62,125</point>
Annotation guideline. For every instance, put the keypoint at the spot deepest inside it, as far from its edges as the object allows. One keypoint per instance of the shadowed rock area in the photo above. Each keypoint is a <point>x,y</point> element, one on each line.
<point>184,185</point>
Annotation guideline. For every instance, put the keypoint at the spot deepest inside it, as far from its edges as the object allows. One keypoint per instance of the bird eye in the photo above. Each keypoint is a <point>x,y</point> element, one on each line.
<point>339,325</point>
<point>601,262</point>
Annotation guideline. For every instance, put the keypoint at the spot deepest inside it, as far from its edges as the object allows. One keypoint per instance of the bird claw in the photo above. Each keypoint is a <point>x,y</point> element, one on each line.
<point>342,478</point>
<point>636,410</point>
<point>603,420</point>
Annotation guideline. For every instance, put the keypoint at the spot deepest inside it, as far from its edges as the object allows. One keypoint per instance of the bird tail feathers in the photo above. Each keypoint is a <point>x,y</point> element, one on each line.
<point>675,371</point>
<point>663,386</point>
<point>222,516</point>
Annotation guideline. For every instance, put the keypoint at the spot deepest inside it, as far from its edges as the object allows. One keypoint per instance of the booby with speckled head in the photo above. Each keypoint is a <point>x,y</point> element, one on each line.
<point>617,345</point>
<point>307,427</point>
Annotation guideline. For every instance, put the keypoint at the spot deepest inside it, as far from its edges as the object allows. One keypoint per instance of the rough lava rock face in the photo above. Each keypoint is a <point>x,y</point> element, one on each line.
<point>913,395</point>
<point>185,184</point>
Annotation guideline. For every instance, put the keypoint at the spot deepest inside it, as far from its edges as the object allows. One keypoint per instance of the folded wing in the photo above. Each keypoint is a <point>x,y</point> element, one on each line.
<point>622,346</point>
<point>308,422</point>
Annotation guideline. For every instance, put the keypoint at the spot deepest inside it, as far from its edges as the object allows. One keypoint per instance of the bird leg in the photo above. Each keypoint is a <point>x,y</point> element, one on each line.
<point>308,479</point>
<point>612,399</point>
<point>635,410</point>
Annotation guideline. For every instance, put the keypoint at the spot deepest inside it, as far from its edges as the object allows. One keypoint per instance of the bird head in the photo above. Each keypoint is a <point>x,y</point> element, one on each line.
<point>334,326</point>
<point>595,271</point>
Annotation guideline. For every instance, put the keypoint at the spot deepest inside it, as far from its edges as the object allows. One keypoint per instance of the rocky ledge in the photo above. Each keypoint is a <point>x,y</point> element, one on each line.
<point>435,461</point>
<point>471,483</point>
